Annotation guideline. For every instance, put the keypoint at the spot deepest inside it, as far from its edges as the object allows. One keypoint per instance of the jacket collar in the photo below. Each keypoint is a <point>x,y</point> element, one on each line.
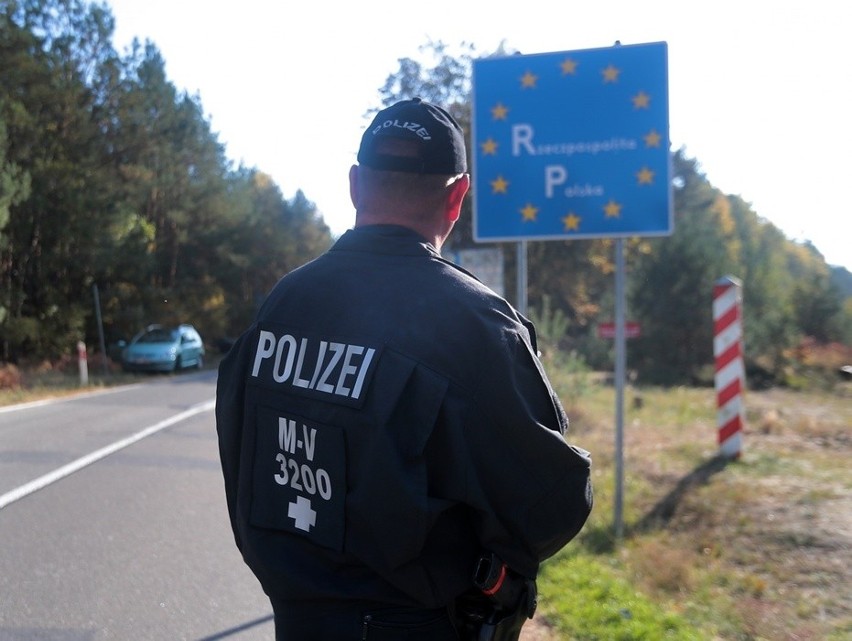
<point>385,239</point>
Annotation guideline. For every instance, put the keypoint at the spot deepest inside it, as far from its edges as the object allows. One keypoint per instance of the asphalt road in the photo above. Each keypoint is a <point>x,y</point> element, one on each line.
<point>113,522</point>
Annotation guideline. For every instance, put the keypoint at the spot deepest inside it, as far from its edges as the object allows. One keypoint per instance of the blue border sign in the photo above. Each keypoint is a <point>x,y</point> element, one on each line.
<point>572,144</point>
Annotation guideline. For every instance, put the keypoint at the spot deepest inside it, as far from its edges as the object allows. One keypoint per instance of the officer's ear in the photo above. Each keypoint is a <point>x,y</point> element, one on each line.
<point>455,197</point>
<point>353,185</point>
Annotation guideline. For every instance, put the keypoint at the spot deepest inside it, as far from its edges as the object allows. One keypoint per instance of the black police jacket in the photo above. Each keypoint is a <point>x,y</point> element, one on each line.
<point>383,422</point>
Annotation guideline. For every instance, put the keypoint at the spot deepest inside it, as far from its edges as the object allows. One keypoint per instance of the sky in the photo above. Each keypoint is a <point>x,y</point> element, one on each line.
<point>759,92</point>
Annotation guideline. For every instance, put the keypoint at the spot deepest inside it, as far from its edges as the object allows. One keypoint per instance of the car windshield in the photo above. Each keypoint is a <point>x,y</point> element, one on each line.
<point>157,336</point>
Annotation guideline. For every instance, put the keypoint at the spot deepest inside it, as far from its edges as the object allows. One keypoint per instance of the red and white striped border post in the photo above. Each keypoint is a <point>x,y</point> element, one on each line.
<point>730,371</point>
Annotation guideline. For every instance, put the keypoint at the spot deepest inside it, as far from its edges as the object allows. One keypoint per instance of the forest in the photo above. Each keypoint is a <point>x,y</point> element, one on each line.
<point>114,189</point>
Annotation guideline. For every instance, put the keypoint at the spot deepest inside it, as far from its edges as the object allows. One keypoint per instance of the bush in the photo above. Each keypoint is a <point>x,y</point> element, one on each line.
<point>10,377</point>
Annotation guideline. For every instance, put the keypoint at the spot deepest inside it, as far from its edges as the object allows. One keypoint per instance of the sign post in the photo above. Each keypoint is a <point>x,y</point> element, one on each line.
<point>571,145</point>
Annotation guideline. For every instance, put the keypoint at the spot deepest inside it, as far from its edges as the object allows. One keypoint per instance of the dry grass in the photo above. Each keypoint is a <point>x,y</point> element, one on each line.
<point>760,548</point>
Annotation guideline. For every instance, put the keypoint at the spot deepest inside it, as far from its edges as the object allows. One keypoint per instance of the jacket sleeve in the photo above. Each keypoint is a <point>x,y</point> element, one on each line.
<point>529,490</point>
<point>230,408</point>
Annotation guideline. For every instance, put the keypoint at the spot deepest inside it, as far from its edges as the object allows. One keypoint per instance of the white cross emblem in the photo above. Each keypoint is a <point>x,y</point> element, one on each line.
<point>302,514</point>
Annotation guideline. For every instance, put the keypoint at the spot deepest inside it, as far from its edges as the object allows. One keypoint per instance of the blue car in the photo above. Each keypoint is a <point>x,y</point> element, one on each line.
<point>164,349</point>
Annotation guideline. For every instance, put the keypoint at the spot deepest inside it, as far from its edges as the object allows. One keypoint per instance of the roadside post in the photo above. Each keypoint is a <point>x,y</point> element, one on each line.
<point>574,145</point>
<point>83,363</point>
<point>729,368</point>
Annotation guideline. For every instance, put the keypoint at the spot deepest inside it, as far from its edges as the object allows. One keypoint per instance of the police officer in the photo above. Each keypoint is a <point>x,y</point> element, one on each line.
<point>385,425</point>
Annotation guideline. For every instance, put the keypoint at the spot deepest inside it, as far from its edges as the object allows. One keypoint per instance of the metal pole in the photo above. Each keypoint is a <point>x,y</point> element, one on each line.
<point>522,277</point>
<point>100,328</point>
<point>620,367</point>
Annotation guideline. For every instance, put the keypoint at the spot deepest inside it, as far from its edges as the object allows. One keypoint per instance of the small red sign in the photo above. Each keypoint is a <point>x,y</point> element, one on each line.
<point>607,330</point>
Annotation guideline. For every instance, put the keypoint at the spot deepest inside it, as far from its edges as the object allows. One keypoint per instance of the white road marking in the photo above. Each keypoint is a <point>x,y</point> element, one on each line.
<point>80,463</point>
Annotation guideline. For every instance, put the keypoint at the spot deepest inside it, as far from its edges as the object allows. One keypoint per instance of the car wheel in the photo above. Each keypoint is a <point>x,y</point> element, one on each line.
<point>199,363</point>
<point>178,364</point>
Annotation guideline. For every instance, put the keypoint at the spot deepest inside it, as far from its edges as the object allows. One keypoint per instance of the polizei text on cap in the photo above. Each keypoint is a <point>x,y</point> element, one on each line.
<point>417,128</point>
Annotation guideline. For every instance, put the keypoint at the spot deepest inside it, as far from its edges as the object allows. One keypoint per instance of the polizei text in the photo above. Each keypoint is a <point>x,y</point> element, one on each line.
<point>326,366</point>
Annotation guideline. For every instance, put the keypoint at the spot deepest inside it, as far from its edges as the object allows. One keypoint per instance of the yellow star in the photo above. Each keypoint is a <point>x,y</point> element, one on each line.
<point>499,111</point>
<point>528,80</point>
<point>610,74</point>
<point>529,212</point>
<point>645,176</point>
<point>572,222</point>
<point>612,209</point>
<point>489,147</point>
<point>499,186</point>
<point>641,100</point>
<point>569,67</point>
<point>652,139</point>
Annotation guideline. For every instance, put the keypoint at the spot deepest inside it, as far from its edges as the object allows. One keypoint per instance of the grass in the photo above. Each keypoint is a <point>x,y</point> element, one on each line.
<point>52,384</point>
<point>36,382</point>
<point>597,603</point>
<point>752,550</point>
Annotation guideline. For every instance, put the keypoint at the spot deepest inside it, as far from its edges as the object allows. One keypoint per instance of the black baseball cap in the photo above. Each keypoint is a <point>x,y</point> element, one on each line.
<point>439,140</point>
